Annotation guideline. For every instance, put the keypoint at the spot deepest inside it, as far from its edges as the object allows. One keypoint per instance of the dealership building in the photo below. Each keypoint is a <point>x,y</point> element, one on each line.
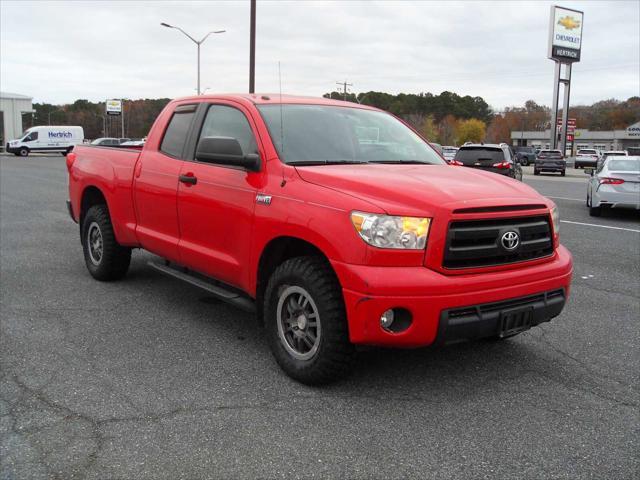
<point>12,107</point>
<point>600,140</point>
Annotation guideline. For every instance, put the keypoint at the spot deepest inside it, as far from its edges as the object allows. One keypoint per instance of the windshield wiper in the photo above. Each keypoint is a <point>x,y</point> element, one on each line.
<point>325,162</point>
<point>402,161</point>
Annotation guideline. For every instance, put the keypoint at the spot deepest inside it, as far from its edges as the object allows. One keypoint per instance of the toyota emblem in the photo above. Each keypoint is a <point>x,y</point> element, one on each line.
<point>510,240</point>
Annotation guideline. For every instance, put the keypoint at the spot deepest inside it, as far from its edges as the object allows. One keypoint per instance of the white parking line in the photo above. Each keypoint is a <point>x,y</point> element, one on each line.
<point>601,226</point>
<point>566,198</point>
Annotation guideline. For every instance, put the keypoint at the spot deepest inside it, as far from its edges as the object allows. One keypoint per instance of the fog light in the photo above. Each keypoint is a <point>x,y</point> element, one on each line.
<point>396,320</point>
<point>386,319</point>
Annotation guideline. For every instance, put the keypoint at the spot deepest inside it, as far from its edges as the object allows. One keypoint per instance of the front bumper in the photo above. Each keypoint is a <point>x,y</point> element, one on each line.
<point>430,296</point>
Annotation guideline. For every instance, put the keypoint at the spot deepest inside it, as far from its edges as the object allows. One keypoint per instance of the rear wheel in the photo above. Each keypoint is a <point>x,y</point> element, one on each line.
<point>105,258</point>
<point>306,322</point>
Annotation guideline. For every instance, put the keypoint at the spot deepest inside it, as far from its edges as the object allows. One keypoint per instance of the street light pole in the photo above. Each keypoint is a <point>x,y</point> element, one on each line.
<point>198,43</point>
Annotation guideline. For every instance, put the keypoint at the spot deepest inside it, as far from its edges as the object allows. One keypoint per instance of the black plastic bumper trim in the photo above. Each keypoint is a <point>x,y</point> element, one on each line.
<point>485,320</point>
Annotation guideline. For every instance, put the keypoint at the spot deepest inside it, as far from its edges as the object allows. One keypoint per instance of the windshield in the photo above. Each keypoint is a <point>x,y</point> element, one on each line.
<point>624,165</point>
<point>469,156</point>
<point>322,134</point>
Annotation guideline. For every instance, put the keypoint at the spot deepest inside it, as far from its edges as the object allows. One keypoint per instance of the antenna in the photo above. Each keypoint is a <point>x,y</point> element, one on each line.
<point>284,182</point>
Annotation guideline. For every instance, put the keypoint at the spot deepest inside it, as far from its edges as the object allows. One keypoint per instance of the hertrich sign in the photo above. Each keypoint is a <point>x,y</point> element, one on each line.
<point>565,34</point>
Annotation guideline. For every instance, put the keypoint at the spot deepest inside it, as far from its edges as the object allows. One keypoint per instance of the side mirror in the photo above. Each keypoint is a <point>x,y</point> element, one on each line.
<point>226,151</point>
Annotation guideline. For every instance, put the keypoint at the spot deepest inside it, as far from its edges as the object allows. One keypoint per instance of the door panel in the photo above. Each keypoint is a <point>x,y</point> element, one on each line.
<point>156,193</point>
<point>216,213</point>
<point>216,216</point>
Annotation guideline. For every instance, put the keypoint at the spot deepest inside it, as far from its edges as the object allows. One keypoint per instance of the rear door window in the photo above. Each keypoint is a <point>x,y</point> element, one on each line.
<point>175,136</point>
<point>473,155</point>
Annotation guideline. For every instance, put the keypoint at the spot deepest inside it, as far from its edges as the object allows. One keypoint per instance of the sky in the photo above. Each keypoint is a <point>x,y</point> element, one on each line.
<point>58,52</point>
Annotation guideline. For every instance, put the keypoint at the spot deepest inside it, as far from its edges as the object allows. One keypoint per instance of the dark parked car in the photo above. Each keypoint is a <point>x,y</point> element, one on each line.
<point>526,155</point>
<point>490,157</point>
<point>550,161</point>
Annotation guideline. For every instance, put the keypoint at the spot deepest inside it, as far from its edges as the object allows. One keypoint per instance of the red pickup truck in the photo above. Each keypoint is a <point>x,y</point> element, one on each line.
<point>335,222</point>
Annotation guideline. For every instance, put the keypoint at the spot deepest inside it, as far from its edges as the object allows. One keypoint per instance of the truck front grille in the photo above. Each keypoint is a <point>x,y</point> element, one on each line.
<point>478,243</point>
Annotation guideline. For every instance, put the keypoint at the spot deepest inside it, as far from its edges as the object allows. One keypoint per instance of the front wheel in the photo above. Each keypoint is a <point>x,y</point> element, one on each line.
<point>536,172</point>
<point>105,258</point>
<point>23,152</point>
<point>562,173</point>
<point>306,323</point>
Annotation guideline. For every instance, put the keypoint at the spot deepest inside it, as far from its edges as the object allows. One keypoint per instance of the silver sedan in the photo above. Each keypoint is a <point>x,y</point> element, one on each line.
<point>616,183</point>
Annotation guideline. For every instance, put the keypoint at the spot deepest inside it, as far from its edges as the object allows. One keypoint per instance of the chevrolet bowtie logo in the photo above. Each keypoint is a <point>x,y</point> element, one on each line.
<point>569,22</point>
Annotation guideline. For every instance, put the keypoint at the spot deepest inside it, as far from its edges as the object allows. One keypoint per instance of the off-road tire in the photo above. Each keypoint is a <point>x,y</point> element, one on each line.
<point>334,355</point>
<point>115,259</point>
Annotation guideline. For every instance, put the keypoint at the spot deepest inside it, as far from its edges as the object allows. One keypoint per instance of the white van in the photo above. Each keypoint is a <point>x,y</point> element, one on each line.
<point>47,139</point>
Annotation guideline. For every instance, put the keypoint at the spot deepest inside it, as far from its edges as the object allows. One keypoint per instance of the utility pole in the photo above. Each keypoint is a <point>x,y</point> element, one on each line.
<point>344,85</point>
<point>122,117</point>
<point>252,49</point>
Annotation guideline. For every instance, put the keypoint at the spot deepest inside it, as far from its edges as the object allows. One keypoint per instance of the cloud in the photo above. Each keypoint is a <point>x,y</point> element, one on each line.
<point>61,51</point>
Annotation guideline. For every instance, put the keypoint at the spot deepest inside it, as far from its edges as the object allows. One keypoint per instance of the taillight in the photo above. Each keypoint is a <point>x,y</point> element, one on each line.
<point>502,165</point>
<point>611,181</point>
<point>71,157</point>
<point>457,163</point>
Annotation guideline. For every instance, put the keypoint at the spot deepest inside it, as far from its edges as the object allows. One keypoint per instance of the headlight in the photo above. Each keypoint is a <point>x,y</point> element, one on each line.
<point>385,231</point>
<point>555,219</point>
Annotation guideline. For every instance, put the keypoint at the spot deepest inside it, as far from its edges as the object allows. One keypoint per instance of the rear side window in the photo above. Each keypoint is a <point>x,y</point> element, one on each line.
<point>176,134</point>
<point>469,156</point>
<point>624,165</point>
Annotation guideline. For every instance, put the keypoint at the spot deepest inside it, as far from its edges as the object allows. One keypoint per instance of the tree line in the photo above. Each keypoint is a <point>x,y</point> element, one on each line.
<point>447,118</point>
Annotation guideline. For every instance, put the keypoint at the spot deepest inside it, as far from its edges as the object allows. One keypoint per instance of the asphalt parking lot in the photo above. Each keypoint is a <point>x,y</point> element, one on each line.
<point>150,378</point>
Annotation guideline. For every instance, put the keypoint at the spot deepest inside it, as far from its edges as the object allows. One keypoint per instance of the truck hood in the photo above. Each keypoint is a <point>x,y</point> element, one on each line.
<point>404,189</point>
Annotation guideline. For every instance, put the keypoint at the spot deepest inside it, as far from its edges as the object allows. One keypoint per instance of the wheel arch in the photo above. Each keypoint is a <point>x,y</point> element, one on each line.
<point>91,195</point>
<point>277,251</point>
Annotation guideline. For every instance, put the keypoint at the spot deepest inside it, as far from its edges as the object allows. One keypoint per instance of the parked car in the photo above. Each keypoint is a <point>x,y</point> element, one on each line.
<point>48,138</point>
<point>609,153</point>
<point>550,161</point>
<point>283,206</point>
<point>106,142</point>
<point>526,155</point>
<point>586,161</point>
<point>495,158</point>
<point>615,184</point>
<point>588,152</point>
<point>449,152</point>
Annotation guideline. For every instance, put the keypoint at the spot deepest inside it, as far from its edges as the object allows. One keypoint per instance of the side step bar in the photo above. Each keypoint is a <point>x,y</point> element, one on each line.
<point>219,290</point>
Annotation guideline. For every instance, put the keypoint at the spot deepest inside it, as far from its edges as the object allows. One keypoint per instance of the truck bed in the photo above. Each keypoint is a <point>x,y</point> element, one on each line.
<point>111,170</point>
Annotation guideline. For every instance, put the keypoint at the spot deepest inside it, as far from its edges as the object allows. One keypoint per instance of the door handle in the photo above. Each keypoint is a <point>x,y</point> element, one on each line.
<point>190,179</point>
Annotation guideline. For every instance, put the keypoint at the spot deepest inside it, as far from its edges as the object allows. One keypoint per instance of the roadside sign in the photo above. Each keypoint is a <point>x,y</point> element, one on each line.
<point>113,107</point>
<point>565,34</point>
